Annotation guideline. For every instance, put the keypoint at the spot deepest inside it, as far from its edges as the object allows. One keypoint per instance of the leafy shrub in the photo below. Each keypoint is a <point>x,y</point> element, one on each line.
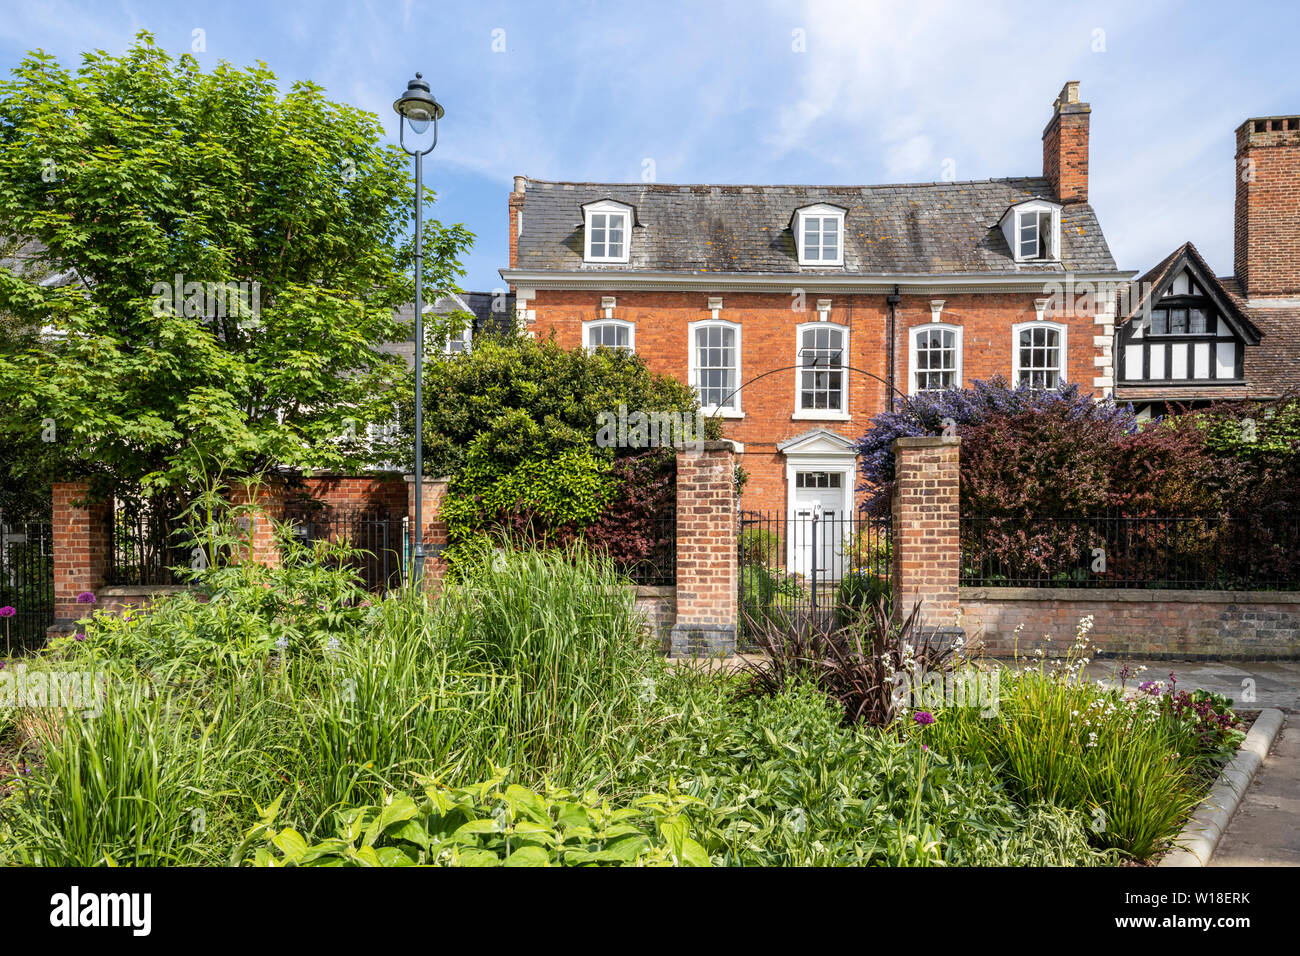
<point>760,546</point>
<point>770,598</point>
<point>1205,722</point>
<point>516,400</point>
<point>514,423</point>
<point>928,413</point>
<point>492,824</point>
<point>784,782</point>
<point>859,591</point>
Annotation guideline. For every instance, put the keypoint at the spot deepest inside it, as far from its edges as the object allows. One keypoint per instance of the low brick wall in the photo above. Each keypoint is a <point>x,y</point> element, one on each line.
<point>1176,625</point>
<point>658,608</point>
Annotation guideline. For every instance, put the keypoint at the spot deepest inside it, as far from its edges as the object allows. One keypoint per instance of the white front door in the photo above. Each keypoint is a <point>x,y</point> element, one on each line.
<point>820,495</point>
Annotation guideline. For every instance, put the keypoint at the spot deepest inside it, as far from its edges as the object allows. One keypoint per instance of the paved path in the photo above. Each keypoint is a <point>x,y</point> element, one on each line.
<point>1265,831</point>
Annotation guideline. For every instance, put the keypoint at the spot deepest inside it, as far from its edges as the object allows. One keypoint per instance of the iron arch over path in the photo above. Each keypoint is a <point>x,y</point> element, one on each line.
<point>791,368</point>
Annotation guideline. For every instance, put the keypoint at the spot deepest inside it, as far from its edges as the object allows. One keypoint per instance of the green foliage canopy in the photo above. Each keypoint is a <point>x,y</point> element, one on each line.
<point>150,189</point>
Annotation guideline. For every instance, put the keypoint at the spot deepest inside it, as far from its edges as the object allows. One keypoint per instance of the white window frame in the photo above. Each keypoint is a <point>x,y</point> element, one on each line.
<point>591,325</point>
<point>821,414</point>
<point>692,366</point>
<point>606,207</point>
<point>913,348</point>
<point>821,211</point>
<point>465,335</point>
<point>1014,221</point>
<point>1064,359</point>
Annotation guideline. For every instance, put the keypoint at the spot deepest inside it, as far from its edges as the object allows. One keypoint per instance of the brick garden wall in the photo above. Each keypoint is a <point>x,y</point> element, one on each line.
<point>1235,625</point>
<point>383,493</point>
<point>1241,625</point>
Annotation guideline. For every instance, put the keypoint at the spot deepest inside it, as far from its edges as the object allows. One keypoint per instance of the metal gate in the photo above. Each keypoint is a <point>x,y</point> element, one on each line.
<point>26,585</point>
<point>797,567</point>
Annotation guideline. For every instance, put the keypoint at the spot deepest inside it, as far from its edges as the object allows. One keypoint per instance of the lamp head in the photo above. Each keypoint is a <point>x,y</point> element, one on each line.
<point>417,105</point>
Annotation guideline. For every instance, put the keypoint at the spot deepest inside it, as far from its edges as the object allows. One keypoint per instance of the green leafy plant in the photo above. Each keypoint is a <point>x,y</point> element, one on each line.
<point>492,823</point>
<point>1058,737</point>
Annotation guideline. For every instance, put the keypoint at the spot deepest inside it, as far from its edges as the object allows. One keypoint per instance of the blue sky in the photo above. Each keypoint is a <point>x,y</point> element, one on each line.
<point>766,92</point>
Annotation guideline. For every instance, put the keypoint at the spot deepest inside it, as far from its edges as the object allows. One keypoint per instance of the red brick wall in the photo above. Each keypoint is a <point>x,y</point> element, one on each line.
<point>1266,236</point>
<point>926,540</point>
<point>707,574</point>
<point>265,503</point>
<point>384,493</point>
<point>82,536</point>
<point>1217,624</point>
<point>769,341</point>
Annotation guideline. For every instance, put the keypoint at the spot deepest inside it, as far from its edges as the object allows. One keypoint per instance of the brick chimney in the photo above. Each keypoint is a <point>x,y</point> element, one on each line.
<point>1266,234</point>
<point>516,219</point>
<point>1065,146</point>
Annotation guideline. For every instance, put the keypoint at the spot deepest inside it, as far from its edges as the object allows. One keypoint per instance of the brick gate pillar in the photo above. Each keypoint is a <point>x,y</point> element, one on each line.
<point>435,528</point>
<point>265,504</point>
<point>926,531</point>
<point>707,573</point>
<point>83,533</point>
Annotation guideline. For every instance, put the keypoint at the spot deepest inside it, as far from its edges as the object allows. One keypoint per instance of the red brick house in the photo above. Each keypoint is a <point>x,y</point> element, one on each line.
<point>1191,337</point>
<point>797,311</point>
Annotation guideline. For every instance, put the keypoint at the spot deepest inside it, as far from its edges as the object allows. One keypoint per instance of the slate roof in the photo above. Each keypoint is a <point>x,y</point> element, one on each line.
<point>480,304</point>
<point>917,229</point>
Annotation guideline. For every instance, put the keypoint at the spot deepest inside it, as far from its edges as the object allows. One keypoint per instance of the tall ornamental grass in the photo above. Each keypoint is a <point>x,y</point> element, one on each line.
<point>1062,739</point>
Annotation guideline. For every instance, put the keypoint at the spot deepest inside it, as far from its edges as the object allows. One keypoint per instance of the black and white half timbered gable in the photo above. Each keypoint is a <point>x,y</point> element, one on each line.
<point>1185,341</point>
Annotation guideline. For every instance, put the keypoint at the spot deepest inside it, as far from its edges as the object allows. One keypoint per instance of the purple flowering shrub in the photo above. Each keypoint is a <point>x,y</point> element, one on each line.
<point>984,402</point>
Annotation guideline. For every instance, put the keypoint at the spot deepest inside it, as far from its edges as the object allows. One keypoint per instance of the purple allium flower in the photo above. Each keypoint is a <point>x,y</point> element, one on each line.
<point>925,747</point>
<point>80,635</point>
<point>8,611</point>
<point>86,597</point>
<point>923,717</point>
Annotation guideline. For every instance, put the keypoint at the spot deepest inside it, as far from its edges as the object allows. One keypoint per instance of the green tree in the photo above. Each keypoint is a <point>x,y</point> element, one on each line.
<point>229,257</point>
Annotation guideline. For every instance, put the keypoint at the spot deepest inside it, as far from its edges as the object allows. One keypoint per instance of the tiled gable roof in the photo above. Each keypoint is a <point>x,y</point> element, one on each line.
<point>1272,368</point>
<point>919,229</point>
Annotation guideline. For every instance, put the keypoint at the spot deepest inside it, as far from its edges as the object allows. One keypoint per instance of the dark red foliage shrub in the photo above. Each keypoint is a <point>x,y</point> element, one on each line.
<point>635,529</point>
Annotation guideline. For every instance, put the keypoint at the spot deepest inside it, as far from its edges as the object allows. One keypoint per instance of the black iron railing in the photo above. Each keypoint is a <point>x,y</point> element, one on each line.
<point>793,567</point>
<point>26,585</point>
<point>1211,552</point>
<point>376,536</point>
<point>647,552</point>
<point>149,542</point>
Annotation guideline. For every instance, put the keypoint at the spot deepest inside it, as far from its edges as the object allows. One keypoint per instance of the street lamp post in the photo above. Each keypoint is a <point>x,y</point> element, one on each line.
<point>417,108</point>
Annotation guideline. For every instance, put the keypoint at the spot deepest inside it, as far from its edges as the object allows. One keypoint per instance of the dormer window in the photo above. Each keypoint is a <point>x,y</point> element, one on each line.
<point>608,229</point>
<point>1033,230</point>
<point>819,234</point>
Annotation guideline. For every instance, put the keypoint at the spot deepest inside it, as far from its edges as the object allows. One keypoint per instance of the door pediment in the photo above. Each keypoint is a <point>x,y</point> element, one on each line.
<point>818,443</point>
